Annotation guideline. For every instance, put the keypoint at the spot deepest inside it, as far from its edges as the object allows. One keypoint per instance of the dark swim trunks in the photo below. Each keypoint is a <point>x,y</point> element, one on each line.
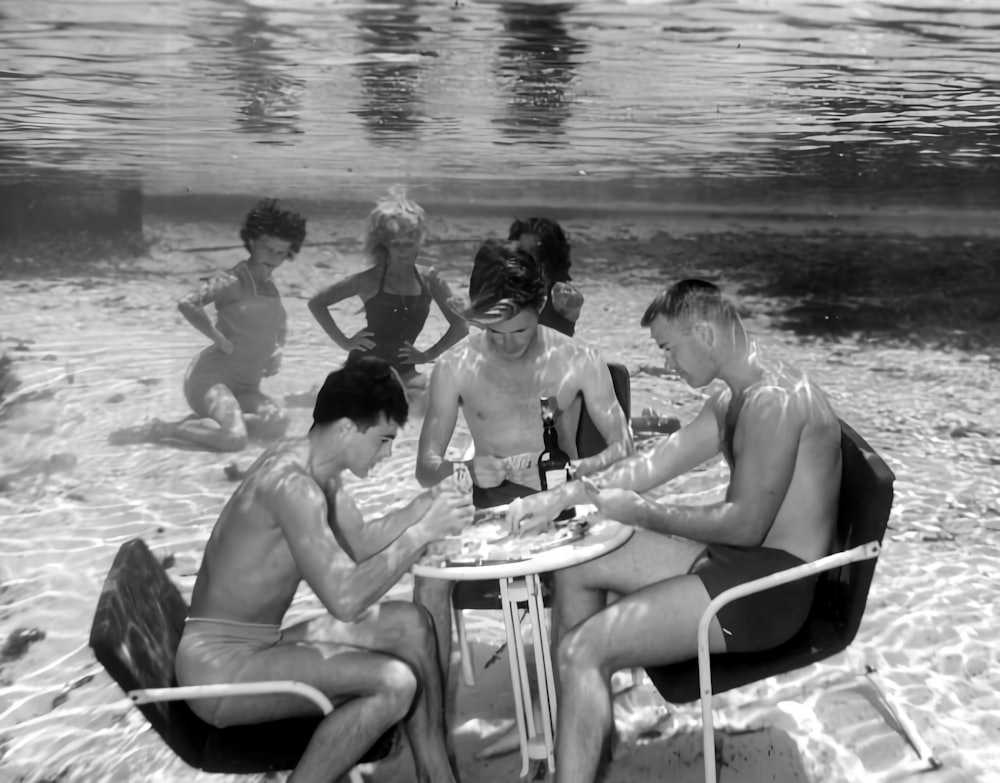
<point>502,494</point>
<point>764,620</point>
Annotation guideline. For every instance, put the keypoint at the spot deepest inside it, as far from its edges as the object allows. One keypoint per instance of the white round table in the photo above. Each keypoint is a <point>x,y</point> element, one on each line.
<point>520,582</point>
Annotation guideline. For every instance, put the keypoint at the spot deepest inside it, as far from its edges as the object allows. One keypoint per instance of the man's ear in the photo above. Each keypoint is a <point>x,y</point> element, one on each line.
<point>343,427</point>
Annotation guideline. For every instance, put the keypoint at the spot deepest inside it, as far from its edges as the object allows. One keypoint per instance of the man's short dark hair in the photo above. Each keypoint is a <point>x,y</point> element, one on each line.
<point>689,301</point>
<point>266,220</point>
<point>504,276</point>
<point>553,247</point>
<point>362,390</point>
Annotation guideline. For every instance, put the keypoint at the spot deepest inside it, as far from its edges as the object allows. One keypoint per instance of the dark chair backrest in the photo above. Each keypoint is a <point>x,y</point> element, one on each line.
<point>589,440</point>
<point>137,627</point>
<point>841,594</point>
<point>866,494</point>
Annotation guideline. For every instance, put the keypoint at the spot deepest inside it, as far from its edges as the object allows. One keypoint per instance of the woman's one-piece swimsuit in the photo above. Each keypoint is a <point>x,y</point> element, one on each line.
<point>252,318</point>
<point>394,320</point>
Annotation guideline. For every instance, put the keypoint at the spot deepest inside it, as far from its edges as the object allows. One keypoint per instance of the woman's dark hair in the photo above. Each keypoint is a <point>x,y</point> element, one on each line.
<point>266,220</point>
<point>553,247</point>
<point>502,274</point>
<point>362,390</point>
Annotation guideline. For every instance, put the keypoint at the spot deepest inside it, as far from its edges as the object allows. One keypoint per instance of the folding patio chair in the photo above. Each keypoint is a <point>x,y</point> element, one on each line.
<point>485,594</point>
<point>841,594</point>
<point>137,627</point>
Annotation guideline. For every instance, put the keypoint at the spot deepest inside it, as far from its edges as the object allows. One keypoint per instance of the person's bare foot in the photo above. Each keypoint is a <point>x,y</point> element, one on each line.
<point>150,432</point>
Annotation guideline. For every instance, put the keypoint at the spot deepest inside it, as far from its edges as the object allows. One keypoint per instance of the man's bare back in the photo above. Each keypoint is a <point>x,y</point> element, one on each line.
<point>248,573</point>
<point>806,518</point>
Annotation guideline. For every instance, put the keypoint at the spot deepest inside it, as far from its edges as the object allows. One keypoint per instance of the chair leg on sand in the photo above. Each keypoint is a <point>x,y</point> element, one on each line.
<point>468,673</point>
<point>873,689</point>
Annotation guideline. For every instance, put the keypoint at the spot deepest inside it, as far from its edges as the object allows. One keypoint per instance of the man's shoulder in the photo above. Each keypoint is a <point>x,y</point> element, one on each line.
<point>790,398</point>
<point>561,347</point>
<point>279,469</point>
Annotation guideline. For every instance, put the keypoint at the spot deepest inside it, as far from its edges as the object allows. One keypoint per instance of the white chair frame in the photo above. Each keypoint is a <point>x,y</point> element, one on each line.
<point>265,687</point>
<point>925,757</point>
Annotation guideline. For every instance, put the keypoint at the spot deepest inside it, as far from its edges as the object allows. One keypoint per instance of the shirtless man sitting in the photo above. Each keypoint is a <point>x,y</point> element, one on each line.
<point>781,440</point>
<point>292,520</point>
<point>496,377</point>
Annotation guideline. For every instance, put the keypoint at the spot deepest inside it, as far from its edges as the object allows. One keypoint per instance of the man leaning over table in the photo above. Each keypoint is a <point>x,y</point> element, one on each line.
<point>496,378</point>
<point>781,440</point>
<point>291,521</point>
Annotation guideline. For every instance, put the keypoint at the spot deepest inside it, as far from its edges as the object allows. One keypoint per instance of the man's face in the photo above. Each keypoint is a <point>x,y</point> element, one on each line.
<point>372,445</point>
<point>684,351</point>
<point>512,338</point>
<point>268,253</point>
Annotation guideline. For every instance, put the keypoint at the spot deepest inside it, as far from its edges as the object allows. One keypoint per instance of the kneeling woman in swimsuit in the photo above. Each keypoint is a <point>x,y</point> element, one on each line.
<point>396,292</point>
<point>222,384</point>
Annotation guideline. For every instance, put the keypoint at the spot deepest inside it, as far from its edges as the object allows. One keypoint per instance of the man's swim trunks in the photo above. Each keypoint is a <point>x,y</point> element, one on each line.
<point>764,620</point>
<point>503,494</point>
<point>216,651</point>
<point>253,319</point>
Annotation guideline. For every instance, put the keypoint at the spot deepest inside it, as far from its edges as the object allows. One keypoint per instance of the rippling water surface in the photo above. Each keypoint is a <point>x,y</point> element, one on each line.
<point>309,96</point>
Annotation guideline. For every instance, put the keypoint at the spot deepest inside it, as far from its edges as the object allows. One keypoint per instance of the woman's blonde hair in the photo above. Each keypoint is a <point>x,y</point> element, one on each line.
<point>394,214</point>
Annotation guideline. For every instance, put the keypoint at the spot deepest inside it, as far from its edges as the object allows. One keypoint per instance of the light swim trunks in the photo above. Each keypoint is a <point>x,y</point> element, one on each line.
<point>213,652</point>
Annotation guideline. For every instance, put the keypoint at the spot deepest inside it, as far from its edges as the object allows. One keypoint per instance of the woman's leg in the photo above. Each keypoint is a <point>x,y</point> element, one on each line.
<point>223,429</point>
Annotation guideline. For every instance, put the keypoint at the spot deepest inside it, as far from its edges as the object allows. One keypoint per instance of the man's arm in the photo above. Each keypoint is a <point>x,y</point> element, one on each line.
<point>672,456</point>
<point>364,539</point>
<point>345,587</point>
<point>439,423</point>
<point>771,425</point>
<point>602,405</point>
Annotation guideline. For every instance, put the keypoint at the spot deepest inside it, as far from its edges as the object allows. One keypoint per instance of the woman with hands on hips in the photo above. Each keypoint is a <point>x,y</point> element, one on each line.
<point>396,292</point>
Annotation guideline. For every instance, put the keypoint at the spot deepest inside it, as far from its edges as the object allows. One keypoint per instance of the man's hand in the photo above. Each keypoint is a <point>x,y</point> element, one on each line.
<point>534,512</point>
<point>488,471</point>
<point>450,512</point>
<point>621,505</point>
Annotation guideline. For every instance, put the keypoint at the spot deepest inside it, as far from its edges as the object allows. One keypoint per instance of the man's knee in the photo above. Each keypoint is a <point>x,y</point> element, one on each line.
<point>399,687</point>
<point>432,593</point>
<point>578,650</point>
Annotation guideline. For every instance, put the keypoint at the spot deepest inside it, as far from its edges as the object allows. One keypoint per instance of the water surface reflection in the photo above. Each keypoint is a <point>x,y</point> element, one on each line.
<point>536,67</point>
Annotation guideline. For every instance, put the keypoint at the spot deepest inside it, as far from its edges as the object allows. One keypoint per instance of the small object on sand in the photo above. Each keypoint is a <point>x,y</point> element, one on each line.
<point>651,421</point>
<point>234,472</point>
<point>18,642</point>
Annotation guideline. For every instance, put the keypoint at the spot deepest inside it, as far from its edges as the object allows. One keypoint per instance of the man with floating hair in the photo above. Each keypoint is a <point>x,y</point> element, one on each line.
<point>496,378</point>
<point>293,521</point>
<point>781,439</point>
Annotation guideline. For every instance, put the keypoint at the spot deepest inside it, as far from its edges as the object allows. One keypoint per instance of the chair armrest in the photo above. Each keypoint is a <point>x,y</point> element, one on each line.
<point>149,695</point>
<point>862,552</point>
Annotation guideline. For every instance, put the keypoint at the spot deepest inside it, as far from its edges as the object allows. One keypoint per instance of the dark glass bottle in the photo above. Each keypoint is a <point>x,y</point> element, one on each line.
<point>553,462</point>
